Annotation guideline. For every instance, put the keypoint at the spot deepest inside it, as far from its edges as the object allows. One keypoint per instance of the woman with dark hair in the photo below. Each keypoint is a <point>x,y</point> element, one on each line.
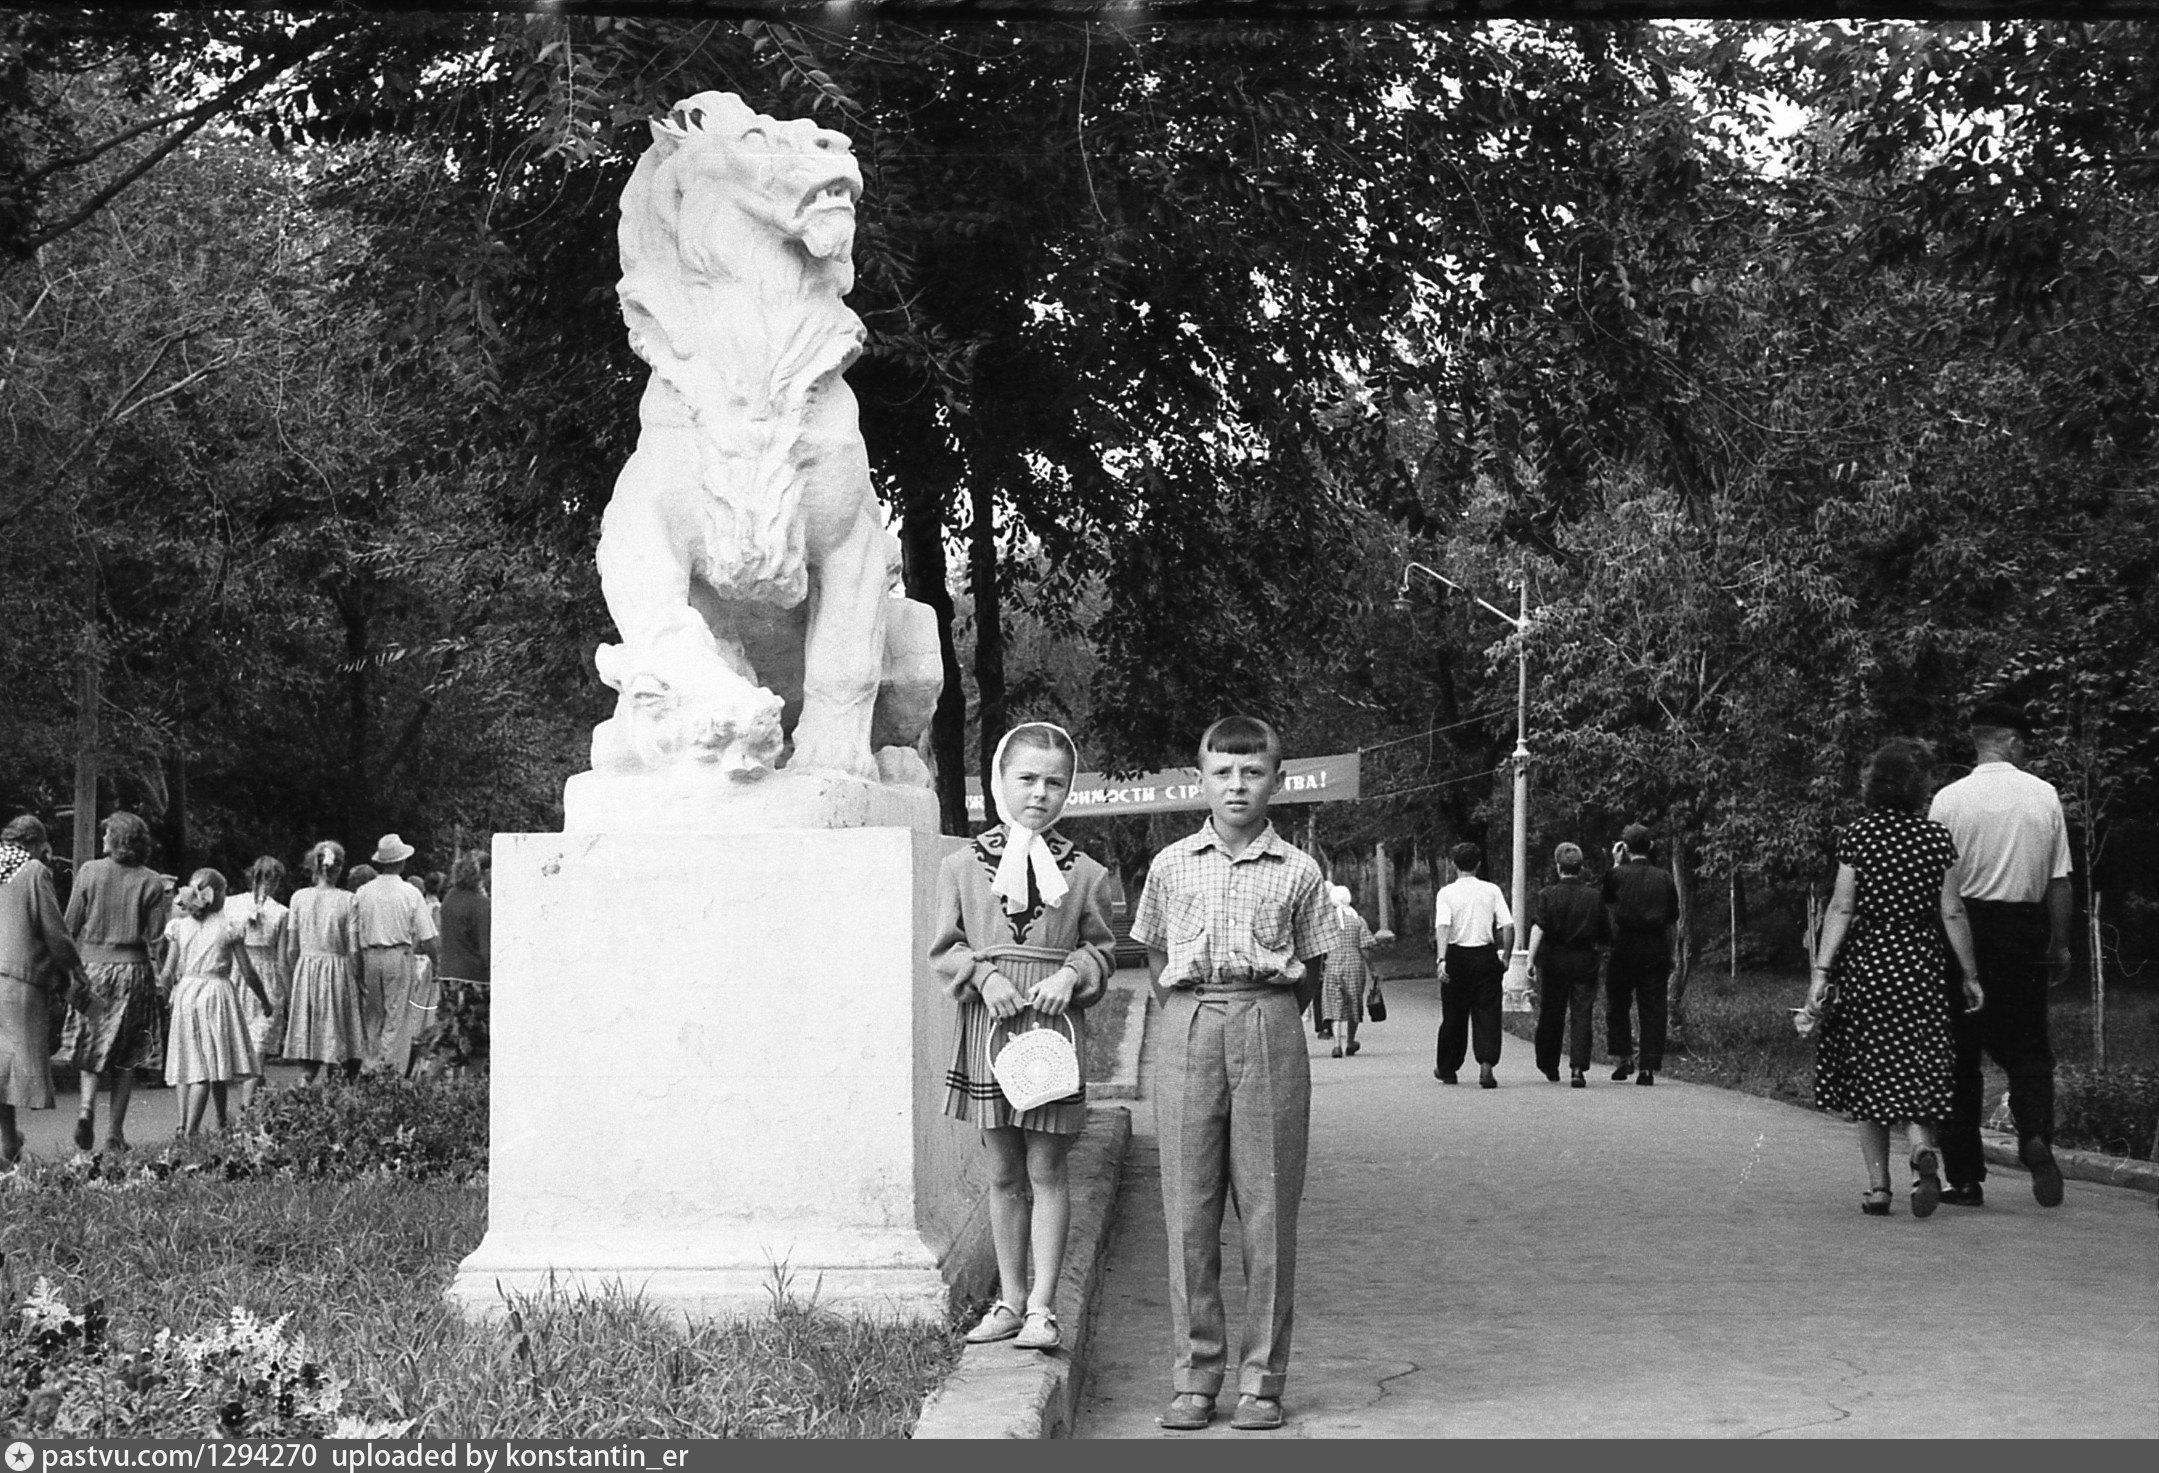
<point>1885,1055</point>
<point>457,1033</point>
<point>35,952</point>
<point>116,913</point>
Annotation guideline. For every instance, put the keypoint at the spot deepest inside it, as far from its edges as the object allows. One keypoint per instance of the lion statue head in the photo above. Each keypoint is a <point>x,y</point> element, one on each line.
<point>721,184</point>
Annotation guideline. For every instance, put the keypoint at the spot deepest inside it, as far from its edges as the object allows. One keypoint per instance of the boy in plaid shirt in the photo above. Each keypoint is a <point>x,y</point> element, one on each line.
<point>1237,927</point>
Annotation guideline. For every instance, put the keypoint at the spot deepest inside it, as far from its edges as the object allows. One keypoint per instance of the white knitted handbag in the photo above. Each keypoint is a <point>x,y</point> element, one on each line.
<point>1037,1066</point>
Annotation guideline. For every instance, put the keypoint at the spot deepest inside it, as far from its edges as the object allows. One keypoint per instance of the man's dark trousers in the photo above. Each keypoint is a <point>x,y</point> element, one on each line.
<point>2010,940</point>
<point>1469,999</point>
<point>1565,997</point>
<point>1641,963</point>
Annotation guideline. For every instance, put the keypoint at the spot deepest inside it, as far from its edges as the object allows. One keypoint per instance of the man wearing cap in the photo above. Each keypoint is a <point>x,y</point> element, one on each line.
<point>1641,908</point>
<point>392,925</point>
<point>2013,871</point>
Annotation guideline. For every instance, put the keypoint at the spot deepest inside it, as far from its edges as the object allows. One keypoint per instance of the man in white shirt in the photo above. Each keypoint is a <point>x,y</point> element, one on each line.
<point>392,926</point>
<point>1473,930</point>
<point>2013,872</point>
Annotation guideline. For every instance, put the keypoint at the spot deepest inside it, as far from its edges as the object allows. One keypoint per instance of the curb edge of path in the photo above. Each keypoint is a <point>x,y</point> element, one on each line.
<point>1124,1084</point>
<point>998,1392</point>
<point>2110,1171</point>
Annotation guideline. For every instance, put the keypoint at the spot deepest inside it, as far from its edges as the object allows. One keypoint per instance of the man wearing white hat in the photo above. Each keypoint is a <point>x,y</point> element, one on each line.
<point>391,923</point>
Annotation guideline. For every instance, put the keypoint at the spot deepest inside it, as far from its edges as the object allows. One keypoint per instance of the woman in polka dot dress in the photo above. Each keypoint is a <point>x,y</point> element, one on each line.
<point>1884,1054</point>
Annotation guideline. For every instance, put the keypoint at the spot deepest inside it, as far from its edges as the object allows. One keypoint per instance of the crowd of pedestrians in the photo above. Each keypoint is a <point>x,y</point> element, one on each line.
<point>141,972</point>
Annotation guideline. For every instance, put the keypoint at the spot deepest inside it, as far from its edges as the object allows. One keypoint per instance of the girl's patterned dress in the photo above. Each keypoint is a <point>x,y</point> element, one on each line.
<point>209,1042</point>
<point>1884,1051</point>
<point>975,936</point>
<point>322,1011</point>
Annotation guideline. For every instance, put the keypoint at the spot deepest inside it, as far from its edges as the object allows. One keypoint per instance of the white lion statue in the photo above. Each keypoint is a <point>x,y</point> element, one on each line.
<point>743,557</point>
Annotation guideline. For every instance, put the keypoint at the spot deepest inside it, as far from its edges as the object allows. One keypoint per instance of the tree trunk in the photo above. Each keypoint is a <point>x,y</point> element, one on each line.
<point>922,566</point>
<point>178,852</point>
<point>991,706</point>
<point>359,813</point>
<point>1683,953</point>
<point>83,847</point>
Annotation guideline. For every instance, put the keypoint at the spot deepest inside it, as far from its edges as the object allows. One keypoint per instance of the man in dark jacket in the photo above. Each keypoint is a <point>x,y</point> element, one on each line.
<point>1566,927</point>
<point>1641,909</point>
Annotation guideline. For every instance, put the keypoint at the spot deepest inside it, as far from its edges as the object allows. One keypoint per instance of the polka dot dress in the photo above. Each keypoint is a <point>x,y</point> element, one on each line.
<point>1885,1052</point>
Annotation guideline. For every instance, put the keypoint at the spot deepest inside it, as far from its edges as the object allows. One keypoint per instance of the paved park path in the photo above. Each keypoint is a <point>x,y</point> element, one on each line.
<point>1539,1261</point>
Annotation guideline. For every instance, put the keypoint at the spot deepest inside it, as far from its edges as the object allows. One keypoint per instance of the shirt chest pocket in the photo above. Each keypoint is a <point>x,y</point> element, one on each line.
<point>1188,921</point>
<point>1270,929</point>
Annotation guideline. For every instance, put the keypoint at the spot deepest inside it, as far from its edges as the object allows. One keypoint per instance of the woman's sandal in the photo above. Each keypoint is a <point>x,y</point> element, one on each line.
<point>999,1322</point>
<point>1926,1181</point>
<point>1876,1202</point>
<point>1039,1333</point>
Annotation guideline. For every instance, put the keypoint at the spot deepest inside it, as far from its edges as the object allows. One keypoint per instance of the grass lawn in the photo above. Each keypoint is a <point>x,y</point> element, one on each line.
<point>360,1266</point>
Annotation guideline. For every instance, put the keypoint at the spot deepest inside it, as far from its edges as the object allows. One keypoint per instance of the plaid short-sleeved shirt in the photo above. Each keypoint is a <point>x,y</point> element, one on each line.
<point>1235,920</point>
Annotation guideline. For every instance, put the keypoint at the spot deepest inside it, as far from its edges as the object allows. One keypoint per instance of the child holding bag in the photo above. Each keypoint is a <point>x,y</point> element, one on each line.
<point>1023,938</point>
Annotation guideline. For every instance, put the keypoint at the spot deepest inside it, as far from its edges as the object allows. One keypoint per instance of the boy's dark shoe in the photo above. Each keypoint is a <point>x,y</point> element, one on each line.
<point>1645,1077</point>
<point>1552,1074</point>
<point>1485,1080</point>
<point>1443,1076</point>
<point>1188,1412</point>
<point>1626,1067</point>
<point>1969,1194</point>
<point>1579,1080</point>
<point>2038,1159</point>
<point>1256,1414</point>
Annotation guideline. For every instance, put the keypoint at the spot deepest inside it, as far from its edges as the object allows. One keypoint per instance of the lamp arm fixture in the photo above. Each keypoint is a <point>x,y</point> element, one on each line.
<point>1401,594</point>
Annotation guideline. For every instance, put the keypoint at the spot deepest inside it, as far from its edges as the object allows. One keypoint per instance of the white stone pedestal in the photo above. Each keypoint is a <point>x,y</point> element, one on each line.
<point>709,1066</point>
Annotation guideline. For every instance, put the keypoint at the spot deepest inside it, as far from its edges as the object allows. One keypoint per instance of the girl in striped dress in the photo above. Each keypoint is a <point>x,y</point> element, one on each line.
<point>209,1046</point>
<point>1022,935</point>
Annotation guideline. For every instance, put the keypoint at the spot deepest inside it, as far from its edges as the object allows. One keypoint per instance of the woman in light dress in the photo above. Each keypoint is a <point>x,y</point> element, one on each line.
<point>1349,978</point>
<point>322,1007</point>
<point>265,926</point>
<point>206,964</point>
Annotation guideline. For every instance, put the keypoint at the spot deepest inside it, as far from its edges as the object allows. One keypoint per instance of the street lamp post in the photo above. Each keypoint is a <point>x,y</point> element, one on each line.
<point>1517,964</point>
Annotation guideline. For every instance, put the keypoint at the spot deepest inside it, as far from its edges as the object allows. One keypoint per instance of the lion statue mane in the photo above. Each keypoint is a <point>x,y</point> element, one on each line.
<point>743,556</point>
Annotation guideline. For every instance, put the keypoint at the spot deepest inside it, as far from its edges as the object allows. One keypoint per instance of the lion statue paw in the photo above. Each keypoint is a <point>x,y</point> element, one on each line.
<point>684,706</point>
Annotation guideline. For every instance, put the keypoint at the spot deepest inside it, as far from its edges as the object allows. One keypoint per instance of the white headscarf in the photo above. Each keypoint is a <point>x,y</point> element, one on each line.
<point>1024,848</point>
<point>1344,903</point>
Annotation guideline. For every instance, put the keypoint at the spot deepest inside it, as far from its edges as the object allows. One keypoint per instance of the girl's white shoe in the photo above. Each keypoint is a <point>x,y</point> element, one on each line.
<point>1000,1322</point>
<point>1039,1333</point>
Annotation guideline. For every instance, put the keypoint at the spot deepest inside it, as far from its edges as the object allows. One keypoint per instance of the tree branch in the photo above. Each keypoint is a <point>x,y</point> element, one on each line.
<point>305,45</point>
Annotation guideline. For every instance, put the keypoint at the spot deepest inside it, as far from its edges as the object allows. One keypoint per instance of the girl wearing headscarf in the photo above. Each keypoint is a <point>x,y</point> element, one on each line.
<point>1349,979</point>
<point>1022,938</point>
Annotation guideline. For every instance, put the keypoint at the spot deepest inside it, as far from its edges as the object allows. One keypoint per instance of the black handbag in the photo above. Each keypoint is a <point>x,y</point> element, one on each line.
<point>1376,1008</point>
